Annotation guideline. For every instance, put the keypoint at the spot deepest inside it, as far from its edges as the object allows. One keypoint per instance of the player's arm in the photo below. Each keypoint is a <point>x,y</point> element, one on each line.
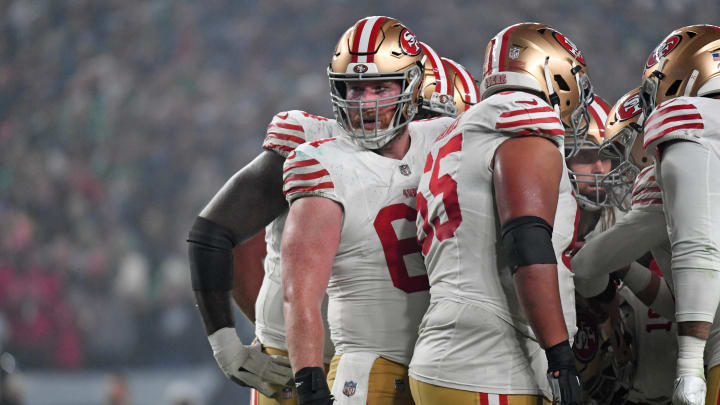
<point>248,273</point>
<point>244,205</point>
<point>629,239</point>
<point>527,173</point>
<point>310,242</point>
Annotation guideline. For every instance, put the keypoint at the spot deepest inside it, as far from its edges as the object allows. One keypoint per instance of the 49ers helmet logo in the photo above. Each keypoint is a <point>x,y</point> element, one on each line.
<point>569,46</point>
<point>586,341</point>
<point>630,108</point>
<point>662,50</point>
<point>409,43</point>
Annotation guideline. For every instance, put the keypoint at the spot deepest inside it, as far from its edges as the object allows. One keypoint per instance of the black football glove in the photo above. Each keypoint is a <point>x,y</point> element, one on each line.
<point>312,388</point>
<point>562,375</point>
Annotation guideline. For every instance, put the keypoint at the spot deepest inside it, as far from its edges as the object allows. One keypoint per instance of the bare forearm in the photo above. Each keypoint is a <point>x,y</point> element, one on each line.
<point>305,334</point>
<point>537,289</point>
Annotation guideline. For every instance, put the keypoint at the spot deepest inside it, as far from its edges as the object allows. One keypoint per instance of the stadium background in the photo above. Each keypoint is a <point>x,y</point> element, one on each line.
<point>120,119</point>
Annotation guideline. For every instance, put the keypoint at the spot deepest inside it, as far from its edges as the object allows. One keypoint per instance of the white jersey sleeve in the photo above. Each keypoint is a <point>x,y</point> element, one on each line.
<point>646,193</point>
<point>289,129</point>
<point>633,235</point>
<point>687,118</point>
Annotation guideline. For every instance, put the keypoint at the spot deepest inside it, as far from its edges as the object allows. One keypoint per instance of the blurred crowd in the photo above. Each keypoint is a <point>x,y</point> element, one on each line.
<point>120,119</point>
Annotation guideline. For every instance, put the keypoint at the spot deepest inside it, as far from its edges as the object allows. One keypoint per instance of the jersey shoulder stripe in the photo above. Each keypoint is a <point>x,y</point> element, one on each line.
<point>671,117</point>
<point>520,113</point>
<point>305,175</point>
<point>646,191</point>
<point>289,129</point>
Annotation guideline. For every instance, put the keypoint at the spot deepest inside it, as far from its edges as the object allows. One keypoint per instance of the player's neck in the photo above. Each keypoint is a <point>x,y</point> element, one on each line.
<point>588,221</point>
<point>398,147</point>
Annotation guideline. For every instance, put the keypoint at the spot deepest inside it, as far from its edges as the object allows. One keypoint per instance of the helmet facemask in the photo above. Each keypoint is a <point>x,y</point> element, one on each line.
<point>369,110</point>
<point>580,117</point>
<point>619,181</point>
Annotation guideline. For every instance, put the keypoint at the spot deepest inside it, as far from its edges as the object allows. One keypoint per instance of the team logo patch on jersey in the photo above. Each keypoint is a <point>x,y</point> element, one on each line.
<point>349,388</point>
<point>409,43</point>
<point>663,50</point>
<point>630,108</point>
<point>405,170</point>
<point>514,53</point>
<point>569,46</point>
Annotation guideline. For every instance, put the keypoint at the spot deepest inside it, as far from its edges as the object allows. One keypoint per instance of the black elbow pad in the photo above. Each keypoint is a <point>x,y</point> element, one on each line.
<point>210,253</point>
<point>527,241</point>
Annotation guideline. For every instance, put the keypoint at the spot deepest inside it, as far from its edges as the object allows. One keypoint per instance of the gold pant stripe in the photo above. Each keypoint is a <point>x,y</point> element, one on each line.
<point>388,383</point>
<point>713,386</point>
<point>429,394</point>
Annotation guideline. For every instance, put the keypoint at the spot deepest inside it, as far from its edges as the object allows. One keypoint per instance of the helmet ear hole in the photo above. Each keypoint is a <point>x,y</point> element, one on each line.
<point>673,89</point>
<point>562,84</point>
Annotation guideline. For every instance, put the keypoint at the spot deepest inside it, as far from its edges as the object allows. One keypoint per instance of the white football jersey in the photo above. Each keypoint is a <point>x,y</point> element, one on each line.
<point>378,285</point>
<point>459,232</point>
<point>690,118</point>
<point>654,350</point>
<point>286,131</point>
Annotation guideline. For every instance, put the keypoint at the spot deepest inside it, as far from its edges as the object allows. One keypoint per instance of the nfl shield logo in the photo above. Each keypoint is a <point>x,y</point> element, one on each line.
<point>514,53</point>
<point>405,170</point>
<point>349,388</point>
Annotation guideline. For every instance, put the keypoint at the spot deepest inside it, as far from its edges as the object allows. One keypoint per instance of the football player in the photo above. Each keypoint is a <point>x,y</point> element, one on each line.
<point>636,233</point>
<point>351,225</point>
<point>678,95</point>
<point>617,344</point>
<point>496,212</point>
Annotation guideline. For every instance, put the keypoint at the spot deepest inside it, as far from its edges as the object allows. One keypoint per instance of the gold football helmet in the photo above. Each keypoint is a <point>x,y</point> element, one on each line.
<point>535,57</point>
<point>437,87</point>
<point>588,153</point>
<point>465,89</point>
<point>624,147</point>
<point>684,64</point>
<point>376,49</point>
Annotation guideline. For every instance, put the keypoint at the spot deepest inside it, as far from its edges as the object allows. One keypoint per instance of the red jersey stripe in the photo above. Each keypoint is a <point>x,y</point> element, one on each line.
<point>503,399</point>
<point>286,137</point>
<point>668,130</point>
<point>665,110</point>
<point>647,190</point>
<point>526,111</point>
<point>648,201</point>
<point>645,170</point>
<point>279,147</point>
<point>307,176</point>
<point>483,398</point>
<point>525,131</point>
<point>319,186</point>
<point>529,121</point>
<point>287,126</point>
<point>301,163</point>
<point>686,117</point>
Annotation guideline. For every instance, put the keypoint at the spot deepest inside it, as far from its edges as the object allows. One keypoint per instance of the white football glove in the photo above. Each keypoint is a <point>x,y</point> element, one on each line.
<point>248,365</point>
<point>689,390</point>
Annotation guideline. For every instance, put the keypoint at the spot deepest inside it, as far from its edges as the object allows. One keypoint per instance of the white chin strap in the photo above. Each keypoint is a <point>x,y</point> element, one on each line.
<point>691,82</point>
<point>551,89</point>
